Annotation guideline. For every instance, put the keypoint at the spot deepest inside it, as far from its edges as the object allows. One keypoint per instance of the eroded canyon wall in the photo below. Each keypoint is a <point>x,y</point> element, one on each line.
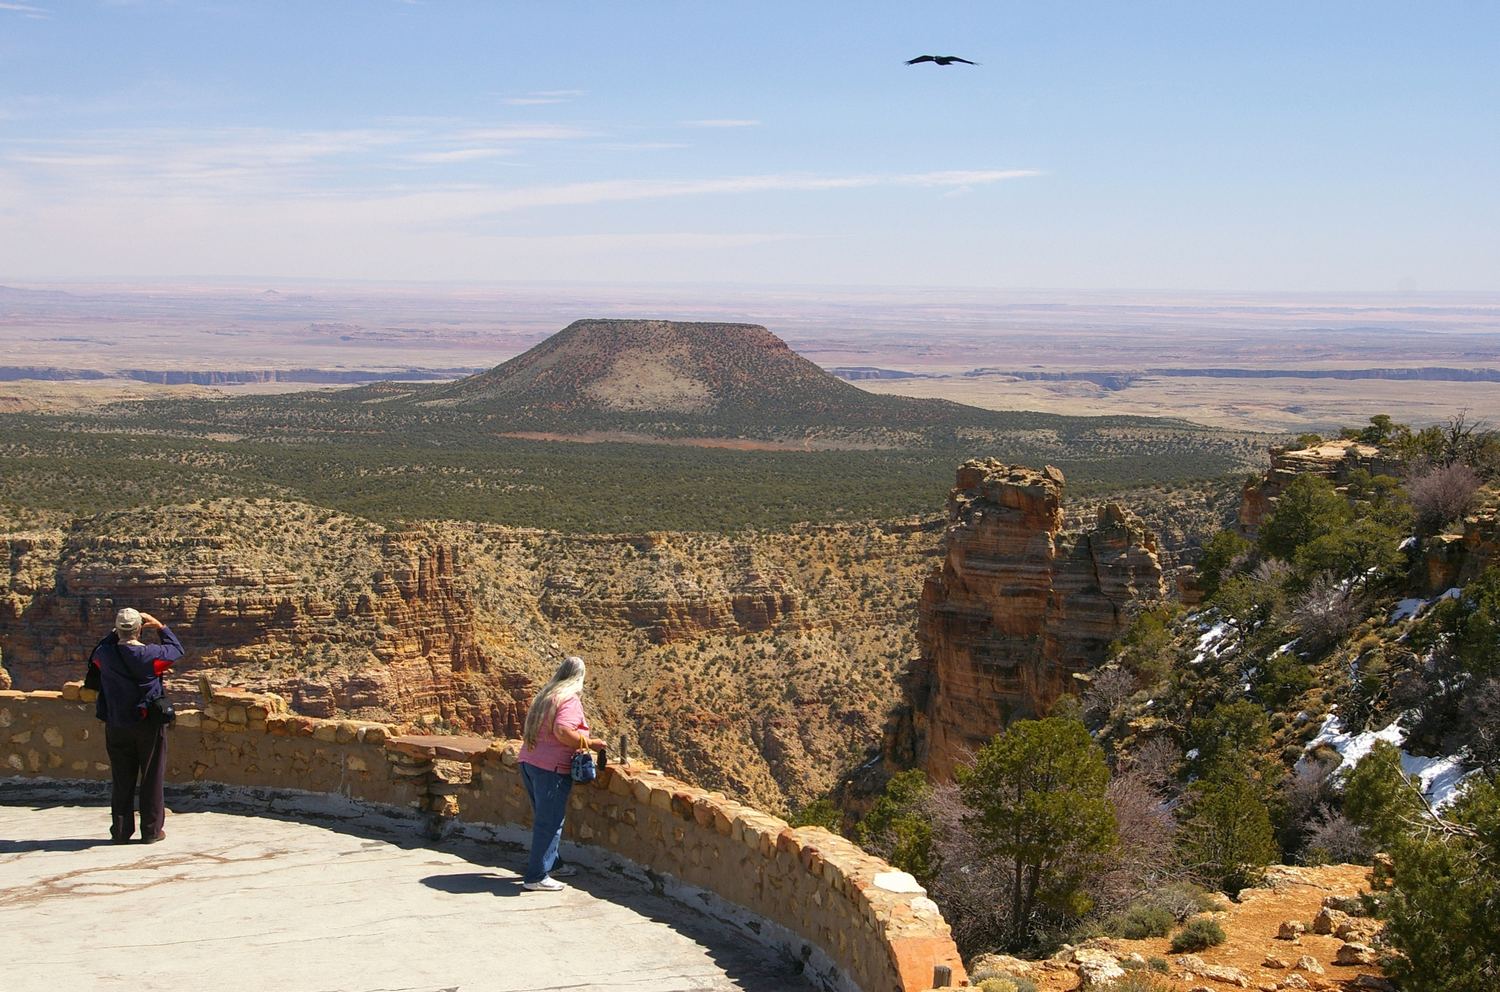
<point>760,664</point>
<point>1015,608</point>
<point>341,616</point>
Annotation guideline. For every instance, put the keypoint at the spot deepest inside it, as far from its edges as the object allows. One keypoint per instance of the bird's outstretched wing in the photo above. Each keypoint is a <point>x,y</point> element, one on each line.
<point>955,58</point>
<point>921,58</point>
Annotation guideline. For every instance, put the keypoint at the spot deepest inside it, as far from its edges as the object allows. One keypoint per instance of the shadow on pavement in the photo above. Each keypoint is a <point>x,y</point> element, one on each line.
<point>58,844</point>
<point>751,966</point>
<point>474,883</point>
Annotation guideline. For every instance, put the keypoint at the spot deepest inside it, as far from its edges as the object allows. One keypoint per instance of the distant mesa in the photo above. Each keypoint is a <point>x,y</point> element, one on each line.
<point>717,377</point>
<point>859,373</point>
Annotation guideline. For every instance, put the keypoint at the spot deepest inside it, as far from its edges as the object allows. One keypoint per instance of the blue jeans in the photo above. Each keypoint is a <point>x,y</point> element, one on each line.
<point>548,792</point>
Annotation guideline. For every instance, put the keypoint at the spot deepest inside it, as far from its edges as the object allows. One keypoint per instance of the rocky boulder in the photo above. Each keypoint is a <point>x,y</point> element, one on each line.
<point>1096,969</point>
<point>1328,920</point>
<point>1193,965</point>
<point>1356,954</point>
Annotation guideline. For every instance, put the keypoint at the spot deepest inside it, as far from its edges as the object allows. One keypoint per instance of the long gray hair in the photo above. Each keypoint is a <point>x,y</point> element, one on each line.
<point>566,681</point>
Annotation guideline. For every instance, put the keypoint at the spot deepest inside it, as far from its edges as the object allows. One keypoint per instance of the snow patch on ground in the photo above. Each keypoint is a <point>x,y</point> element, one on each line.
<point>1210,643</point>
<point>1408,608</point>
<point>1440,778</point>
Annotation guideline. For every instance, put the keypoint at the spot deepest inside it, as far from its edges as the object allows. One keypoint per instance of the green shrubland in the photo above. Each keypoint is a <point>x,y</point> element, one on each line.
<point>1197,935</point>
<point>402,462</point>
<point>1442,907</point>
<point>1201,723</point>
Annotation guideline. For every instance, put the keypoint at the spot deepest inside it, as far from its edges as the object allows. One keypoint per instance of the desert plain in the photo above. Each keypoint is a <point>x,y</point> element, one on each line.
<point>1238,361</point>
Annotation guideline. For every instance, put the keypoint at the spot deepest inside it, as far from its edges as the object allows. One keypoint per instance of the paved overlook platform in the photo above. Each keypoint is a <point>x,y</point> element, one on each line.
<point>696,877</point>
<point>250,901</point>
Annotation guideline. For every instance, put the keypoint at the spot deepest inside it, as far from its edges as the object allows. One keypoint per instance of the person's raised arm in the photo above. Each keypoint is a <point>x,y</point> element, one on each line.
<point>171,647</point>
<point>169,651</point>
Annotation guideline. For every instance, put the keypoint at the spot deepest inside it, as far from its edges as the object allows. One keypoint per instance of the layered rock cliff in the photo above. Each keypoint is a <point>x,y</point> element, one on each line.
<point>1015,608</point>
<point>342,616</point>
<point>1333,460</point>
<point>758,664</point>
<point>669,598</point>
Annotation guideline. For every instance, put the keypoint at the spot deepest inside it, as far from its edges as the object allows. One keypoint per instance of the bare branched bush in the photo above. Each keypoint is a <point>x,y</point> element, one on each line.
<point>1240,562</point>
<point>1156,761</point>
<point>1147,830</point>
<point>1305,795</point>
<point>1326,611</point>
<point>1462,440</point>
<point>1333,839</point>
<point>1108,690</point>
<point>1484,744</point>
<point>971,886</point>
<point>1442,494</point>
<point>1271,572</point>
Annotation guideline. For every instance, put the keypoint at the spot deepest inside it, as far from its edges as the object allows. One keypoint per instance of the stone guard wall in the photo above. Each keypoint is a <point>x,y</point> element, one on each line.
<point>872,923</point>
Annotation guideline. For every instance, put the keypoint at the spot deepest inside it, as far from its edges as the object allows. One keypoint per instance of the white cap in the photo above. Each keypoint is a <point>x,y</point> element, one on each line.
<point>128,621</point>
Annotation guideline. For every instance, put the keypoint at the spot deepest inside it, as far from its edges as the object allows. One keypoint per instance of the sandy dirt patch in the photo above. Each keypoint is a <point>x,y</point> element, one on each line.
<point>1251,927</point>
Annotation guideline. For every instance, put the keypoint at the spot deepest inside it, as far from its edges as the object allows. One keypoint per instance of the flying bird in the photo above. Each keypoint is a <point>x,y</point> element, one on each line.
<point>939,59</point>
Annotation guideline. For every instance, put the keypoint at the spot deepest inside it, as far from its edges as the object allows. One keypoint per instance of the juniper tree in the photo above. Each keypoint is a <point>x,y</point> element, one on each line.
<point>1378,797</point>
<point>898,827</point>
<point>1443,908</point>
<point>1308,508</point>
<point>1220,554</point>
<point>1227,837</point>
<point>1038,792</point>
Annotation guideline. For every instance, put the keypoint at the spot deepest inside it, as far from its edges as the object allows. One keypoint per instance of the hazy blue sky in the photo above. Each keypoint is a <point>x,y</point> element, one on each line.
<point>1188,145</point>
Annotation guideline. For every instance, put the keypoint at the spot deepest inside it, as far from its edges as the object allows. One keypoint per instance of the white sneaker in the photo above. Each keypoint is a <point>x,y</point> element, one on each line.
<point>545,885</point>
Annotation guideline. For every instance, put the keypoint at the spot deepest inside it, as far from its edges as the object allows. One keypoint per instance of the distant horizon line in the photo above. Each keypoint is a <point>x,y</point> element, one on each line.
<point>262,284</point>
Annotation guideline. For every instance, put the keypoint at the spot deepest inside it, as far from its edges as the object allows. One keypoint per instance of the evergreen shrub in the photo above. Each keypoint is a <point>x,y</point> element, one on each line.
<point>1198,934</point>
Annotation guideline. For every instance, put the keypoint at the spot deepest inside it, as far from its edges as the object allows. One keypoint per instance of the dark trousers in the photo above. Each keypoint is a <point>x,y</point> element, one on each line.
<point>137,756</point>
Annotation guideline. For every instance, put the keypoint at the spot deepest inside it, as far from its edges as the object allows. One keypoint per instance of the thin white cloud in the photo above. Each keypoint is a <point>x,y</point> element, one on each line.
<point>459,155</point>
<point>213,179</point>
<point>542,98</point>
<point>80,160</point>
<point>641,146</point>
<point>524,132</point>
<point>437,208</point>
<point>25,9</point>
<point>264,161</point>
<point>723,122</point>
<point>656,241</point>
<point>147,198</point>
<point>624,190</point>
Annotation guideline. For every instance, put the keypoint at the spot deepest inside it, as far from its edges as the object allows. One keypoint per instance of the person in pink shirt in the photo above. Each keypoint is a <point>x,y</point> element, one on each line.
<point>555,730</point>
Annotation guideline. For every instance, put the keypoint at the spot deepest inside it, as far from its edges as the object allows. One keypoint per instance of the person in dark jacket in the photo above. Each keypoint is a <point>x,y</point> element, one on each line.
<point>129,674</point>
